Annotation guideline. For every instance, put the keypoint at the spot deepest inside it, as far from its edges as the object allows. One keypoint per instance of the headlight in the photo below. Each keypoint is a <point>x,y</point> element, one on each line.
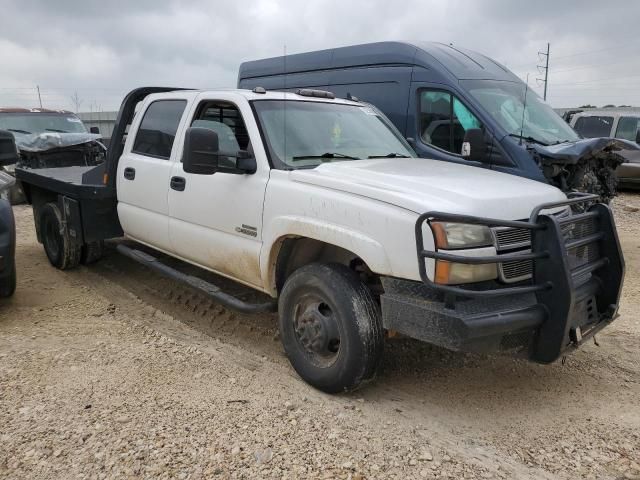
<point>451,236</point>
<point>448,273</point>
<point>456,236</point>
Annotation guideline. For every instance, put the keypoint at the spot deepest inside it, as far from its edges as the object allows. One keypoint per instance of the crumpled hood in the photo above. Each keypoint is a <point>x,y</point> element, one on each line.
<point>39,142</point>
<point>587,165</point>
<point>585,148</point>
<point>421,185</point>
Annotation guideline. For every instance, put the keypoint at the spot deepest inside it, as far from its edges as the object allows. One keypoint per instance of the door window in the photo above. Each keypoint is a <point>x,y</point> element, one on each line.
<point>628,128</point>
<point>226,120</point>
<point>158,128</point>
<point>444,120</point>
<point>594,126</point>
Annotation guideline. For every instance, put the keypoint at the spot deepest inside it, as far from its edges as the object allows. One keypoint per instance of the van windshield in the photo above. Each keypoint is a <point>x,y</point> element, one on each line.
<point>306,133</point>
<point>504,101</point>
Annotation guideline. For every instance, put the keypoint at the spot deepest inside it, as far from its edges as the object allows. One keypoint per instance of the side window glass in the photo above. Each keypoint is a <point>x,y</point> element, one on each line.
<point>226,120</point>
<point>158,128</point>
<point>444,120</point>
<point>628,128</point>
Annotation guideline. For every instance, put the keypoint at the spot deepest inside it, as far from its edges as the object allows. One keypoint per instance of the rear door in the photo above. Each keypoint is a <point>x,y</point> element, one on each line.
<point>144,170</point>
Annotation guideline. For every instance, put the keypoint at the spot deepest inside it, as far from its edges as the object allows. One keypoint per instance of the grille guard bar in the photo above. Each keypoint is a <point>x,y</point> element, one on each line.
<point>533,225</point>
<point>579,293</point>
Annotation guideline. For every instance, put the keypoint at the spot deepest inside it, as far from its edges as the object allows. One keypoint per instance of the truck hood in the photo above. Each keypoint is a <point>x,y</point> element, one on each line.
<point>421,185</point>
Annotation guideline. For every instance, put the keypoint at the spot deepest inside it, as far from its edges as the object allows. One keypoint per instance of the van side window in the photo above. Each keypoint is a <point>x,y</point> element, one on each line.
<point>628,128</point>
<point>158,128</point>
<point>226,120</point>
<point>444,120</point>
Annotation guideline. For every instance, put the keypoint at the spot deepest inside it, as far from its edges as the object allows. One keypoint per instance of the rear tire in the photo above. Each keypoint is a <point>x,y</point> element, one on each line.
<point>330,327</point>
<point>8,283</point>
<point>62,251</point>
<point>92,252</point>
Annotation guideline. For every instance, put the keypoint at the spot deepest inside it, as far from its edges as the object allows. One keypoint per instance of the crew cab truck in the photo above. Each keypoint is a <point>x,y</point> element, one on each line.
<point>321,205</point>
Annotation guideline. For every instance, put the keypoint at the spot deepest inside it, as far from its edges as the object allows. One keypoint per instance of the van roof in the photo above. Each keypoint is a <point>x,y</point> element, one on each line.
<point>608,112</point>
<point>452,61</point>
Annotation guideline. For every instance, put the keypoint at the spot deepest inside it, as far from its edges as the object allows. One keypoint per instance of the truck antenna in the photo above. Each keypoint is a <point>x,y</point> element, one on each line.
<point>284,60</point>
<point>524,108</point>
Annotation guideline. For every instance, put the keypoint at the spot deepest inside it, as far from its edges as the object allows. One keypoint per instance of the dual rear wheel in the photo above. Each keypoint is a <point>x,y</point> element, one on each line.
<point>63,251</point>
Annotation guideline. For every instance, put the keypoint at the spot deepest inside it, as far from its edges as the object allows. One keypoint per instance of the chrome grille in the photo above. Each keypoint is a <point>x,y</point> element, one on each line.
<point>515,270</point>
<point>508,238</point>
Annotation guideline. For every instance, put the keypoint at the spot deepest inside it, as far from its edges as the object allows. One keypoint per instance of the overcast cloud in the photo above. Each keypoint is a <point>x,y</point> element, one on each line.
<point>101,49</point>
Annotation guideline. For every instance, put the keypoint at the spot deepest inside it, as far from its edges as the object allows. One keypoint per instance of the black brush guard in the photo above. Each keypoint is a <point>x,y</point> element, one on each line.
<point>577,271</point>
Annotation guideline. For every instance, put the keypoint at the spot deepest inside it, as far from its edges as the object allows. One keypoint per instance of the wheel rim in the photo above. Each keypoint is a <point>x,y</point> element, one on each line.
<point>317,331</point>
<point>52,238</point>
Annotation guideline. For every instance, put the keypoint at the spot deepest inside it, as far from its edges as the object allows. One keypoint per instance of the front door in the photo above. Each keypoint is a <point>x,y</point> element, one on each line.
<point>143,174</point>
<point>216,220</point>
<point>441,120</point>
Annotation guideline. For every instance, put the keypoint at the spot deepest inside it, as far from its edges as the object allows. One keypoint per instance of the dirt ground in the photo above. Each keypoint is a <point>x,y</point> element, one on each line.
<point>111,371</point>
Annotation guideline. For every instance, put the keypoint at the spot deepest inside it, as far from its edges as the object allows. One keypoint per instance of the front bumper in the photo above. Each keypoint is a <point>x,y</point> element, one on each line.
<point>575,289</point>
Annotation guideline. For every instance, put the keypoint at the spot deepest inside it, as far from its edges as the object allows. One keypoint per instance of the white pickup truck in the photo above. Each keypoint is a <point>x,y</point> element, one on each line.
<point>320,204</point>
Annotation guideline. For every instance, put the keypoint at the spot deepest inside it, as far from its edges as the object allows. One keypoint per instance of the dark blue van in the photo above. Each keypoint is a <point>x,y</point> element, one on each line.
<point>443,99</point>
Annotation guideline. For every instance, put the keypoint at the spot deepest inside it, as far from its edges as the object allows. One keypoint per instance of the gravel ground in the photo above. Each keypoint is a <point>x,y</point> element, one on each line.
<point>114,372</point>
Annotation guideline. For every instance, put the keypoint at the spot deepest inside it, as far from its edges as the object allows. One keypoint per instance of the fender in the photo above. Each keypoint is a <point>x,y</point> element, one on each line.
<point>368,249</point>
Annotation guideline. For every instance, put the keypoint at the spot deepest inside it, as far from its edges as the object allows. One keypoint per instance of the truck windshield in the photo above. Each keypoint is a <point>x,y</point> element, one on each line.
<point>28,123</point>
<point>303,134</point>
<point>505,103</point>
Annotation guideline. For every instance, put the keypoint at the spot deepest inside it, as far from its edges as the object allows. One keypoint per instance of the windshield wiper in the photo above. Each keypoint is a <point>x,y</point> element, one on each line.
<point>55,130</point>
<point>390,155</point>
<point>17,130</point>
<point>529,139</point>
<point>324,155</point>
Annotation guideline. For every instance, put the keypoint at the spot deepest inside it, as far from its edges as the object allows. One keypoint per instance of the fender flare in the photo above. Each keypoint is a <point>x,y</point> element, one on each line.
<point>365,247</point>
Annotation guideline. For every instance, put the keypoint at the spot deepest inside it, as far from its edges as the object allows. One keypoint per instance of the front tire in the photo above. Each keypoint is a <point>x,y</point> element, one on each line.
<point>330,327</point>
<point>62,251</point>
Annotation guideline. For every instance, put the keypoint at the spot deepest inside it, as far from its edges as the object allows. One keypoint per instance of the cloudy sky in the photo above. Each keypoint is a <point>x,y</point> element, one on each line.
<point>97,50</point>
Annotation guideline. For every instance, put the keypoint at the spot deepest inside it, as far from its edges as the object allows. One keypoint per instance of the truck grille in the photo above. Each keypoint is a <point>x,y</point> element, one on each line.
<point>520,238</point>
<point>508,238</point>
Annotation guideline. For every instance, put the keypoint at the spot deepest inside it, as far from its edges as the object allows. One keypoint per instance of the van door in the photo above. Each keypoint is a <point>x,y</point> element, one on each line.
<point>216,220</point>
<point>439,120</point>
<point>144,170</point>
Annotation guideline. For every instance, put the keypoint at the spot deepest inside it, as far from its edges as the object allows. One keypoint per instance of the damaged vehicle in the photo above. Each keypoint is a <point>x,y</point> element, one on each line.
<point>8,153</point>
<point>49,138</point>
<point>444,99</point>
<point>615,123</point>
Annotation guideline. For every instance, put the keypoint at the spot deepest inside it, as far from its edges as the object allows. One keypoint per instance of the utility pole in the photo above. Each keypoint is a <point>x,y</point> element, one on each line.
<point>546,71</point>
<point>39,97</point>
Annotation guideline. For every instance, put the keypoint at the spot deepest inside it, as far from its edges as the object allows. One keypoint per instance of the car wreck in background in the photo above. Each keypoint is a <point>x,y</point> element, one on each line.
<point>48,138</point>
<point>8,154</point>
<point>615,123</point>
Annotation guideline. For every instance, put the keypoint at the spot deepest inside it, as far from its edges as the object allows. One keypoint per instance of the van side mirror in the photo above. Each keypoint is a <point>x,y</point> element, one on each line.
<point>200,154</point>
<point>95,130</point>
<point>473,146</point>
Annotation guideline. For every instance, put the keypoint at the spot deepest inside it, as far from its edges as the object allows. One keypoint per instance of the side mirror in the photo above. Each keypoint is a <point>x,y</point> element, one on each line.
<point>200,154</point>
<point>473,146</point>
<point>245,162</point>
<point>95,130</point>
<point>8,150</point>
